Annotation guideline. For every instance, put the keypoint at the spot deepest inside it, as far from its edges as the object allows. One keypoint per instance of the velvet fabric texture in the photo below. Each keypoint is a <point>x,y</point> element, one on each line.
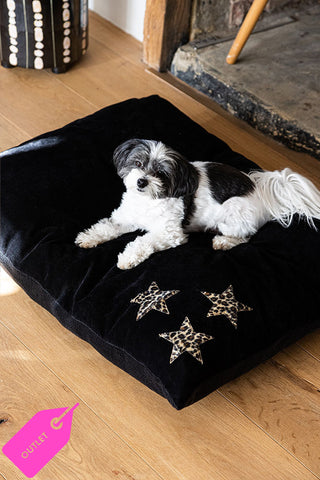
<point>237,308</point>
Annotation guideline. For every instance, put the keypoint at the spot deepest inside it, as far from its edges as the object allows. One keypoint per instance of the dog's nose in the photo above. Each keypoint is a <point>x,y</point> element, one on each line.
<point>142,182</point>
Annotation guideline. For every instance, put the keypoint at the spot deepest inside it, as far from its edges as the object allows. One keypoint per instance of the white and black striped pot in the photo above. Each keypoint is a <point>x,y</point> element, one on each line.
<point>43,33</point>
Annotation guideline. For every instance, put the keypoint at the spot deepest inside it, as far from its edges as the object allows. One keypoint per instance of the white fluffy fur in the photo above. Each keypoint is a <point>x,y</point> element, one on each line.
<point>161,218</point>
<point>236,219</point>
<point>285,193</point>
<point>277,196</point>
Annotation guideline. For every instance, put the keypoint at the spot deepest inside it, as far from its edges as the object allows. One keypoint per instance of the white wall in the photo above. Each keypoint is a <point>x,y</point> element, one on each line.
<point>126,14</point>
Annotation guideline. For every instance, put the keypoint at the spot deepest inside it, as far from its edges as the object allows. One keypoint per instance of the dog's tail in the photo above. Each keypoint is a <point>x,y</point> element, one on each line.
<point>285,193</point>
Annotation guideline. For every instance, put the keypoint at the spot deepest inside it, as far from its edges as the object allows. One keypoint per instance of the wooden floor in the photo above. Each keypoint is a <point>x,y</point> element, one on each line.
<point>264,425</point>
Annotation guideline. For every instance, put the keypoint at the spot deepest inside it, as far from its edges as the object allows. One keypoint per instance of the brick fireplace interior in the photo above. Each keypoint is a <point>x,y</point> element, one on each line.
<point>222,18</point>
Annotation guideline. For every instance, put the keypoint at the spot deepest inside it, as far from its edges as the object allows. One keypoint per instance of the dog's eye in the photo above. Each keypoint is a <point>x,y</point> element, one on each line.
<point>138,164</point>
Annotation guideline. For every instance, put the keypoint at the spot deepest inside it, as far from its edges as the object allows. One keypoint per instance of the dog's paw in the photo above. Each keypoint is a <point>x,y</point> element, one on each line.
<point>125,262</point>
<point>85,240</point>
<point>223,242</point>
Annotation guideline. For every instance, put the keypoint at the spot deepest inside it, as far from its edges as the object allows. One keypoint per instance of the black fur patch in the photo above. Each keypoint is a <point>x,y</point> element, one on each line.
<point>189,208</point>
<point>226,182</point>
<point>184,178</point>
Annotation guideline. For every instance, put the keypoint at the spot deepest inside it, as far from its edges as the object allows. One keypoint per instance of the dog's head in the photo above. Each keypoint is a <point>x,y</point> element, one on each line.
<point>153,169</point>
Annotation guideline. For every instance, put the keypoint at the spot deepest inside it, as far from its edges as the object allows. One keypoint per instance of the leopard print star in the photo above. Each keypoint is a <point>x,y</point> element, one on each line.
<point>226,304</point>
<point>186,340</point>
<point>153,299</point>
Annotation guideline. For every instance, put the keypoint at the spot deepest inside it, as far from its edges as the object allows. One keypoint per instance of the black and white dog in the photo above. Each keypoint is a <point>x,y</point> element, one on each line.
<point>168,197</point>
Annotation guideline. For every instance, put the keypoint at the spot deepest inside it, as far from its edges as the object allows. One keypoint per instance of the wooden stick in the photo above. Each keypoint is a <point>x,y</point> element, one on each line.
<point>246,28</point>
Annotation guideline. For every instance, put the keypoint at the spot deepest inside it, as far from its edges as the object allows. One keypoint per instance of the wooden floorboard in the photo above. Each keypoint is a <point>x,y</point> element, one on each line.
<point>10,134</point>
<point>41,103</point>
<point>28,386</point>
<point>263,424</point>
<point>286,403</point>
<point>311,343</point>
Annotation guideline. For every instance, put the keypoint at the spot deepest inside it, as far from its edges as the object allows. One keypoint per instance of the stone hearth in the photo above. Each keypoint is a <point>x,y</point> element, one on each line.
<point>274,86</point>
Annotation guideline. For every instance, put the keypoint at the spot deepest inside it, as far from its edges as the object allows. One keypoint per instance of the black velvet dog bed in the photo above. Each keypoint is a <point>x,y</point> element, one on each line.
<point>237,307</point>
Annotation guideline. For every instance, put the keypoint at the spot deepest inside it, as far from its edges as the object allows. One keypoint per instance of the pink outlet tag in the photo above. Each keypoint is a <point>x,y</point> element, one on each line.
<point>31,448</point>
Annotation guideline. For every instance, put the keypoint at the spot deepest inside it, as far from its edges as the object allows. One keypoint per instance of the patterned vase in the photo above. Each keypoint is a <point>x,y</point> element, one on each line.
<point>43,33</point>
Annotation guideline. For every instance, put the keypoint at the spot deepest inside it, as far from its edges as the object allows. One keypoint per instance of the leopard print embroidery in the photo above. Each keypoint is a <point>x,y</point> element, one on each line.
<point>153,299</point>
<point>226,304</point>
<point>186,340</point>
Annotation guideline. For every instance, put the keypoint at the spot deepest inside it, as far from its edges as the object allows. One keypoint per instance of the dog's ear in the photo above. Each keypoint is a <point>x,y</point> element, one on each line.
<point>184,179</point>
<point>122,152</point>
